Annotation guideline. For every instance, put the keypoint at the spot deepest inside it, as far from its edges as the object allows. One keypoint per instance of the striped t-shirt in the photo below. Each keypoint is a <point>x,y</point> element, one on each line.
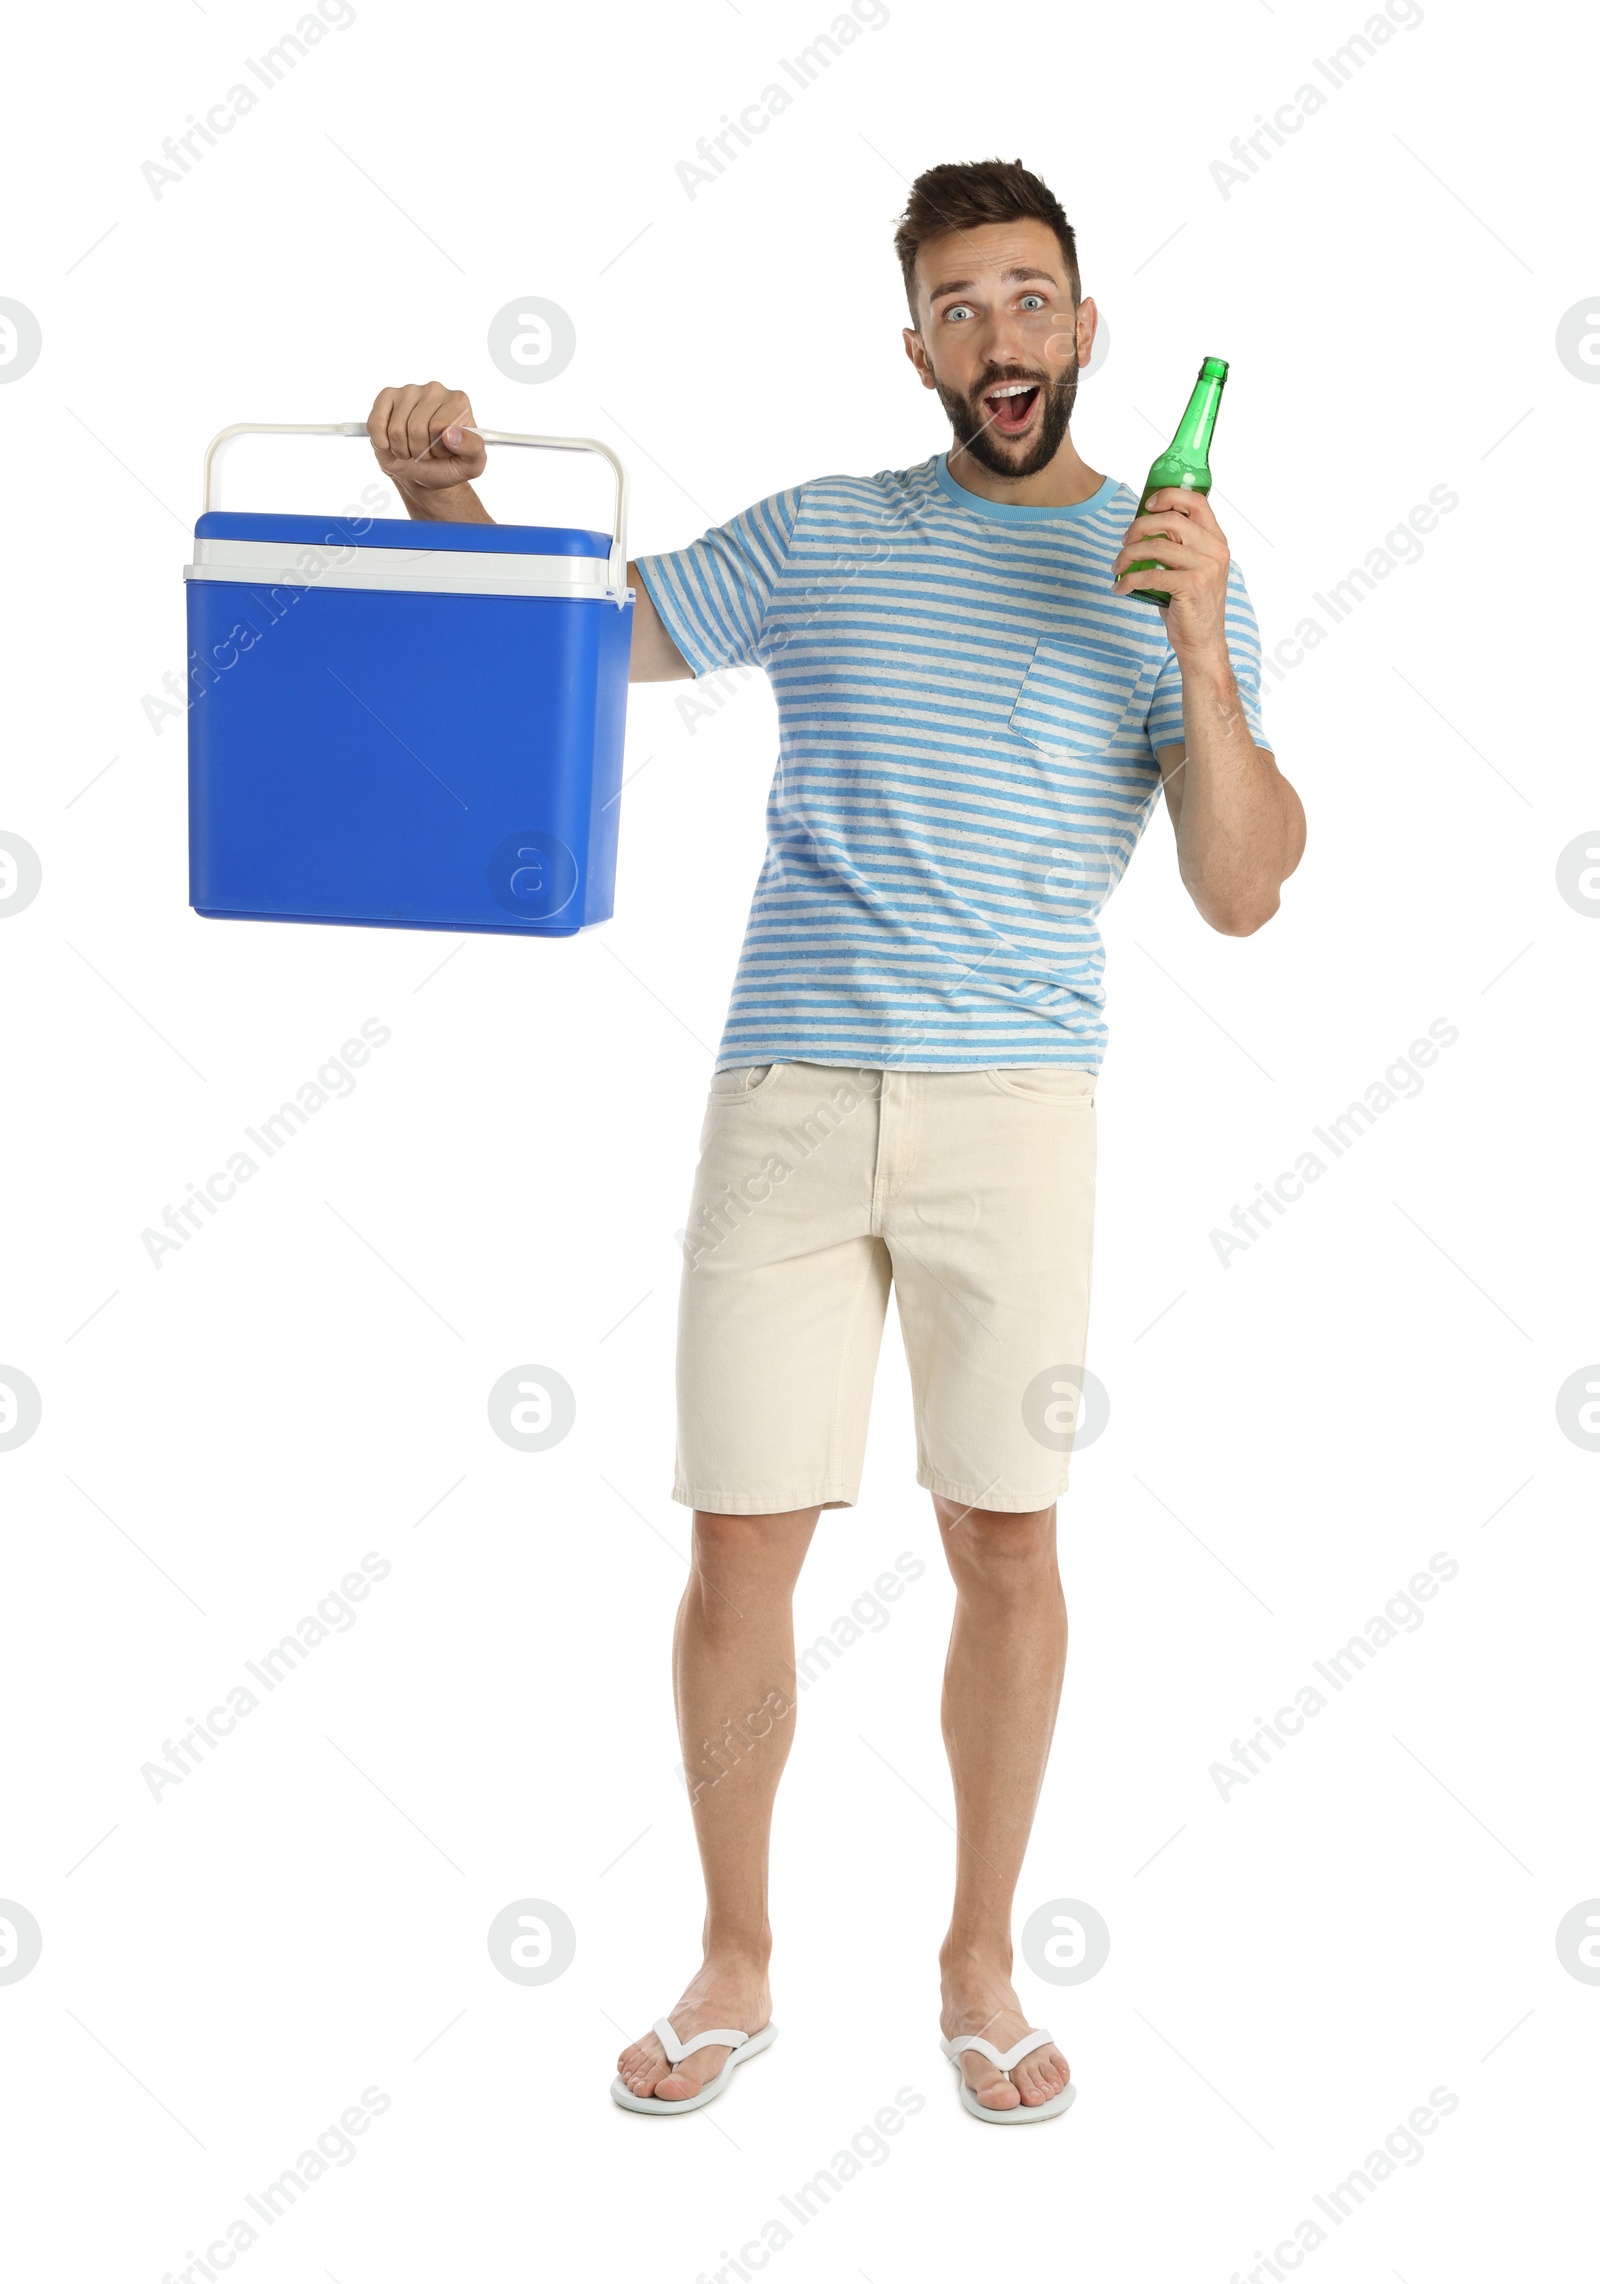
<point>968,720</point>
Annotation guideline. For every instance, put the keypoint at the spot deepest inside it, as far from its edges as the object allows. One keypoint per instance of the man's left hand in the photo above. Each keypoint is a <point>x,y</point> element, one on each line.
<point>1179,530</point>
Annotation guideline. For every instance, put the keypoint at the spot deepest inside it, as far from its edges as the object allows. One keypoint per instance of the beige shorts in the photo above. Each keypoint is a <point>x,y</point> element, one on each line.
<point>972,1193</point>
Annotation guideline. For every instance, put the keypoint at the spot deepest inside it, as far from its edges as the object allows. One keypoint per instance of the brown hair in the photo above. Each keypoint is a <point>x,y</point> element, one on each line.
<point>952,198</point>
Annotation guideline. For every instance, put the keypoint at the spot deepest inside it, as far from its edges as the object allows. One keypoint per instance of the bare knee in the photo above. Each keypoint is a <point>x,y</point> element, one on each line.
<point>1000,1555</point>
<point>749,1556</point>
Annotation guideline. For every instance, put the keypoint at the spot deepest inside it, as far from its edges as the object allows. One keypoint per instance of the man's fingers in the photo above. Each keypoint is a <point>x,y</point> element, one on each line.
<point>1185,503</point>
<point>419,432</point>
<point>1154,534</point>
<point>1163,575</point>
<point>400,444</point>
<point>1183,530</point>
<point>450,421</point>
<point>425,426</point>
<point>1189,511</point>
<point>1146,529</point>
<point>1139,546</point>
<point>378,420</point>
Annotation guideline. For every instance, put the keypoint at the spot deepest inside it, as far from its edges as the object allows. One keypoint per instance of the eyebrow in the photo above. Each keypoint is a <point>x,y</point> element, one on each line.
<point>1007,277</point>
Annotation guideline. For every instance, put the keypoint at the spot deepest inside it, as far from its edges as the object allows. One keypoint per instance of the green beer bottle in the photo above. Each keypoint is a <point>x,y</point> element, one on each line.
<point>1184,462</point>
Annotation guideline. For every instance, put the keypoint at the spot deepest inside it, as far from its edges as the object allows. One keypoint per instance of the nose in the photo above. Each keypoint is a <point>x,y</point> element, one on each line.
<point>1009,342</point>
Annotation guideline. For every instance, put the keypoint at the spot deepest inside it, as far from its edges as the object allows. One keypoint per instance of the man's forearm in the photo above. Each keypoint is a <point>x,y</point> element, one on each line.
<point>1240,828</point>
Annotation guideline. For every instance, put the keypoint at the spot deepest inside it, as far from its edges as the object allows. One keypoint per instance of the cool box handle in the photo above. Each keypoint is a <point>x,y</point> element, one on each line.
<point>617,570</point>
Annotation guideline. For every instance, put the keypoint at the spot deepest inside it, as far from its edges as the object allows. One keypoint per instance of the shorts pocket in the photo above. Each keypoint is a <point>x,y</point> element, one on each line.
<point>1074,696</point>
<point>1044,1082</point>
<point>745,1080</point>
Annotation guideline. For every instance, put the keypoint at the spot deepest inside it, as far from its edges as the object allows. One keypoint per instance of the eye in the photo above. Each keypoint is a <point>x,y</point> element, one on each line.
<point>958,309</point>
<point>1032,301</point>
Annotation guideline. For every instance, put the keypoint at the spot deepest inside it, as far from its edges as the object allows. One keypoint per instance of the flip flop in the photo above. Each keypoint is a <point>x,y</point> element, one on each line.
<point>1023,2114</point>
<point>744,2044</point>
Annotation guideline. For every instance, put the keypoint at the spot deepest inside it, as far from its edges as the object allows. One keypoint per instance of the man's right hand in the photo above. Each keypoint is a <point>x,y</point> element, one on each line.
<point>422,438</point>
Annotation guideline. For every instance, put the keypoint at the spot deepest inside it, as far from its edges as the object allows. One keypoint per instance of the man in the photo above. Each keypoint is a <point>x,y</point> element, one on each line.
<point>977,715</point>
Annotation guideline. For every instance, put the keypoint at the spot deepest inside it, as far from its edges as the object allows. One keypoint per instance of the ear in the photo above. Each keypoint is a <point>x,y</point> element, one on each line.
<point>918,354</point>
<point>1088,321</point>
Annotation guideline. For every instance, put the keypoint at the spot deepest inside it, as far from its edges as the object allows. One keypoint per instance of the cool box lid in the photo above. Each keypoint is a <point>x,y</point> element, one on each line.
<point>391,552</point>
<point>399,531</point>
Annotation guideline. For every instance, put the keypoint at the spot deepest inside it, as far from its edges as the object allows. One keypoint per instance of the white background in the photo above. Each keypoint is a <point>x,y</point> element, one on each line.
<point>1372,1383</point>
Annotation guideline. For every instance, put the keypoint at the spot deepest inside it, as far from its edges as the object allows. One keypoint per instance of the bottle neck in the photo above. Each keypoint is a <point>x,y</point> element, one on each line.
<point>1193,439</point>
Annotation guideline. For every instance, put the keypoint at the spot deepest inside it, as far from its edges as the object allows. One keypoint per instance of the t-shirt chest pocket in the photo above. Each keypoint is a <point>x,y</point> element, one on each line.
<point>1074,696</point>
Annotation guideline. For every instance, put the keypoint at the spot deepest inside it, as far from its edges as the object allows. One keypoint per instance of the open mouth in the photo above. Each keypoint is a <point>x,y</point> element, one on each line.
<point>1011,405</point>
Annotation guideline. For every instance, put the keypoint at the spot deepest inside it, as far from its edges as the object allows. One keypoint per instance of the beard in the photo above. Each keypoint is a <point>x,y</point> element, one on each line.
<point>974,431</point>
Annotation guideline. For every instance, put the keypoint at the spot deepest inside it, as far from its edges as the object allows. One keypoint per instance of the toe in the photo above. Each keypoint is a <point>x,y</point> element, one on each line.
<point>640,2065</point>
<point>1041,2076</point>
<point>994,2091</point>
<point>677,2086</point>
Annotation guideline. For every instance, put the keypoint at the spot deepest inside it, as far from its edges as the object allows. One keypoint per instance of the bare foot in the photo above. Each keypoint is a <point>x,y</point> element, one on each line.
<point>729,1993</point>
<point>979,2002</point>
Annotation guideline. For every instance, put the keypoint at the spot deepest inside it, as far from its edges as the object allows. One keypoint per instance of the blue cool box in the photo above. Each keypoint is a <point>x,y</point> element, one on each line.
<point>405,725</point>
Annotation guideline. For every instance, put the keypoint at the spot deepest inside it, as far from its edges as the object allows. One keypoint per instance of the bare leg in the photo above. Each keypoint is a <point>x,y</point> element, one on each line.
<point>734,1680</point>
<point>1002,1685</point>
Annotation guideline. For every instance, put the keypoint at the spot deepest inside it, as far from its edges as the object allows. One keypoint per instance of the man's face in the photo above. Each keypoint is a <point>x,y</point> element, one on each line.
<point>1001,341</point>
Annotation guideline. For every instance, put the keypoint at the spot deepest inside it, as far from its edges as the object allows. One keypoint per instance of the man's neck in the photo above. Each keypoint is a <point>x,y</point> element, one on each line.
<point>1065,483</point>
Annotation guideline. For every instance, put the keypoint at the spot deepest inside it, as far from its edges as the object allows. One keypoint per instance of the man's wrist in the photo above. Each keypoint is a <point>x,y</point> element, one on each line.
<point>1207,666</point>
<point>454,503</point>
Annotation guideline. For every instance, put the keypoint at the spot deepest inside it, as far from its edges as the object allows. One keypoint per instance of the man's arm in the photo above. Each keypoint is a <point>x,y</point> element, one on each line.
<point>422,436</point>
<point>1239,824</point>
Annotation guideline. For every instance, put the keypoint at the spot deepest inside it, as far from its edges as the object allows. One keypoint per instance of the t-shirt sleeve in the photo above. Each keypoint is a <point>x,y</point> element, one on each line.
<point>712,597</point>
<point>1164,722</point>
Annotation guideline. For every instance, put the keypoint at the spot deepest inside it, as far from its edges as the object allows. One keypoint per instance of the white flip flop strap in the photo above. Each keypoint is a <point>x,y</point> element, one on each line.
<point>675,2050</point>
<point>956,2047</point>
